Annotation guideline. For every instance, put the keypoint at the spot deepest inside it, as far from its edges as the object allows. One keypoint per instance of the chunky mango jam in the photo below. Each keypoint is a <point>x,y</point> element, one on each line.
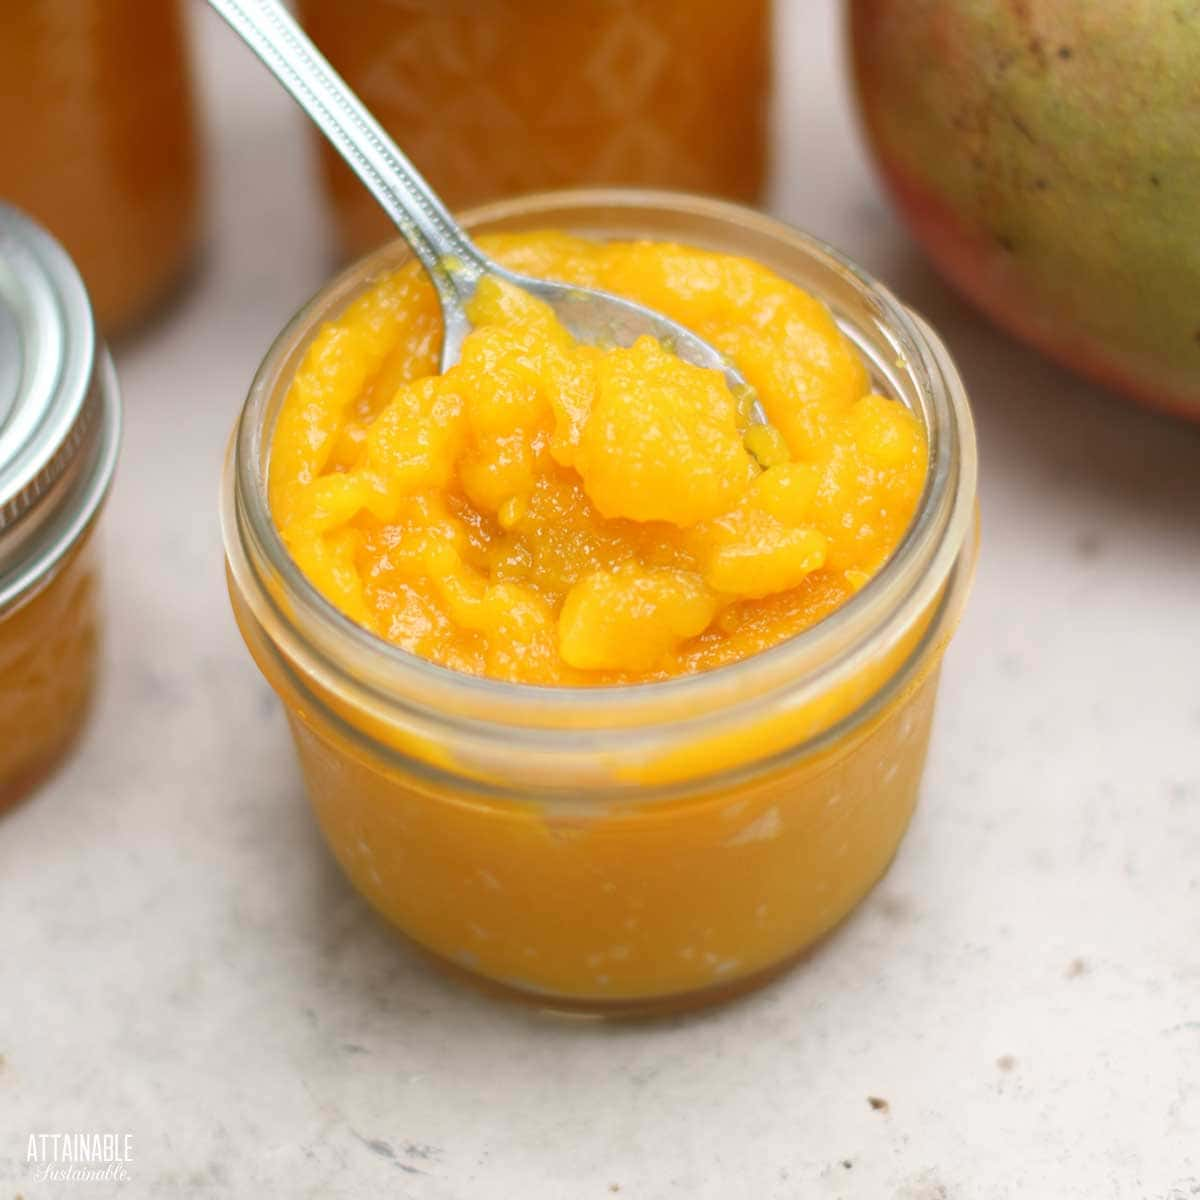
<point>556,513</point>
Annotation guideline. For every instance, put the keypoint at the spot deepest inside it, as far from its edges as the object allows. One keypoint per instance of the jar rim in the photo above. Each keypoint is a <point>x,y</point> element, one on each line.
<point>347,655</point>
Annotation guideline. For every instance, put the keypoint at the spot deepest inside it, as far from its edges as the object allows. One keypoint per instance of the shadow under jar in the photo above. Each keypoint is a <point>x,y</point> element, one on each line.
<point>59,432</point>
<point>627,849</point>
<point>98,143</point>
<point>493,98</point>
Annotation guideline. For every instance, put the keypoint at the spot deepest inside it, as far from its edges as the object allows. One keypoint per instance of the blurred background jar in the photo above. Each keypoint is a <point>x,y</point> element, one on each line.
<point>98,142</point>
<point>498,97</point>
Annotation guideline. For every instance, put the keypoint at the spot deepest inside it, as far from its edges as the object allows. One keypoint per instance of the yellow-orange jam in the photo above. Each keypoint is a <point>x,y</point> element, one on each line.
<point>47,673</point>
<point>557,513</point>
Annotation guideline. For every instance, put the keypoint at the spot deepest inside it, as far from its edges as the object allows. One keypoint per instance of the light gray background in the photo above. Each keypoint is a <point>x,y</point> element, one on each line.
<point>181,960</point>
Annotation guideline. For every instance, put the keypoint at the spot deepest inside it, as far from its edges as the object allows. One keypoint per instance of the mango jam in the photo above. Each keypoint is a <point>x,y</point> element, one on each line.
<point>558,514</point>
<point>554,513</point>
<point>48,652</point>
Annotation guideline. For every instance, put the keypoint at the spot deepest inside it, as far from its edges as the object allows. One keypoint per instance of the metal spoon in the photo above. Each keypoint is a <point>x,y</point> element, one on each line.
<point>455,264</point>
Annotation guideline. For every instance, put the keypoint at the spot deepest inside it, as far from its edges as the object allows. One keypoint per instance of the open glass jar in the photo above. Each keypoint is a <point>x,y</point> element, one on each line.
<point>98,142</point>
<point>59,431</point>
<point>623,849</point>
<point>494,98</point>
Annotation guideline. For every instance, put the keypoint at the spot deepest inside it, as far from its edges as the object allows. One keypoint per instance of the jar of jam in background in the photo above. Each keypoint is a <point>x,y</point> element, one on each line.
<point>59,432</point>
<point>98,142</point>
<point>491,98</point>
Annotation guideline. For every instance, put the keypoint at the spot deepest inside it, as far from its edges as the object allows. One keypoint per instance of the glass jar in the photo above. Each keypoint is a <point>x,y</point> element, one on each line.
<point>59,431</point>
<point>497,97</point>
<point>623,849</point>
<point>98,142</point>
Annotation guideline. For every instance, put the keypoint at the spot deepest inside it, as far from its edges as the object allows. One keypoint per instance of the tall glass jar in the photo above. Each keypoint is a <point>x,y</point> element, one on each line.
<point>98,142</point>
<point>59,431</point>
<point>619,849</point>
<point>497,97</point>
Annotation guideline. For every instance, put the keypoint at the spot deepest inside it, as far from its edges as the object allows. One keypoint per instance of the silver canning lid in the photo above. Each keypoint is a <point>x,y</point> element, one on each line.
<point>59,408</point>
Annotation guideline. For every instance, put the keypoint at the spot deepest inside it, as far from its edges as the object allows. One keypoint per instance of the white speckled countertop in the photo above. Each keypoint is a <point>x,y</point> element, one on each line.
<point>183,962</point>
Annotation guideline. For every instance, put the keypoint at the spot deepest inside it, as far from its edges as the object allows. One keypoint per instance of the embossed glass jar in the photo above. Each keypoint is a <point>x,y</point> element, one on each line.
<point>98,142</point>
<point>497,97</point>
<point>623,849</point>
<point>59,431</point>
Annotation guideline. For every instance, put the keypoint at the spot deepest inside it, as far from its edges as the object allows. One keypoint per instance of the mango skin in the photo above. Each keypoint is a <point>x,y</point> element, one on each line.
<point>1046,154</point>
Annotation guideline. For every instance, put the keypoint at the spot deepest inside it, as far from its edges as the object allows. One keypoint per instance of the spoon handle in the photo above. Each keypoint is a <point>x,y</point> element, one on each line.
<point>453,262</point>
